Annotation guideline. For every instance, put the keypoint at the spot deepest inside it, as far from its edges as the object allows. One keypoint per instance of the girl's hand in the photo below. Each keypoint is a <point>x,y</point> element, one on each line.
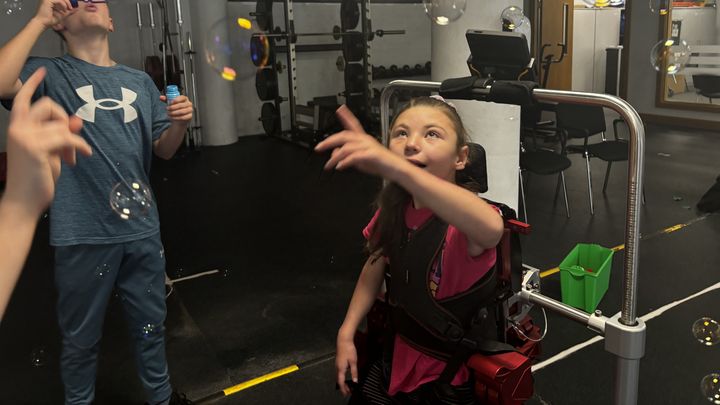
<point>354,148</point>
<point>346,357</point>
<point>39,135</point>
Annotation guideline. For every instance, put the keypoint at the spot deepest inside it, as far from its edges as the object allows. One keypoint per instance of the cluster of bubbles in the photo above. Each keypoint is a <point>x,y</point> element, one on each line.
<point>229,41</point>
<point>707,332</point>
<point>131,199</point>
<point>670,56</point>
<point>443,12</point>
<point>12,6</point>
<point>102,270</point>
<point>148,330</point>
<point>38,357</point>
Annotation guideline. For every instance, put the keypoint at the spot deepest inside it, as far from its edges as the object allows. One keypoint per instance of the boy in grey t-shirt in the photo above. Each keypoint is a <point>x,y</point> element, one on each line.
<point>124,118</point>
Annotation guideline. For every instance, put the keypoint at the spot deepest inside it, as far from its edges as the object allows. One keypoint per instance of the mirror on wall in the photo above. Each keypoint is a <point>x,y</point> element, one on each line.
<point>697,85</point>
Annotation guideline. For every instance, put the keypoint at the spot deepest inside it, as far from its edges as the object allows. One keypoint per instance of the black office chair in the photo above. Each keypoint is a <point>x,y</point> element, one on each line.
<point>707,85</point>
<point>543,161</point>
<point>582,121</point>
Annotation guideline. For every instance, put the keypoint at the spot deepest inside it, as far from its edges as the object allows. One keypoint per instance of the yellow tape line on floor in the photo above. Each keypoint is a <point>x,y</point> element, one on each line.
<point>261,379</point>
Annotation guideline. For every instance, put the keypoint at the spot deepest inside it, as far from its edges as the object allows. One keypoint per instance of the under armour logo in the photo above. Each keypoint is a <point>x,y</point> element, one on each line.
<point>87,112</point>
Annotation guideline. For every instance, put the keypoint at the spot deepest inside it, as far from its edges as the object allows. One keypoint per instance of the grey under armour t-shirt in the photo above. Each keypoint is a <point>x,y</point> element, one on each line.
<point>122,115</point>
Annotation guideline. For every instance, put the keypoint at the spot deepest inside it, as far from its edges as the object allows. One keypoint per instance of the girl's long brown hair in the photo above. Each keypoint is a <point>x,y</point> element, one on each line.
<point>388,232</point>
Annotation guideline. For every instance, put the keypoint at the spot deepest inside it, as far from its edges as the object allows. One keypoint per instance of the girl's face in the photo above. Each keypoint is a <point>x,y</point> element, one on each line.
<point>426,137</point>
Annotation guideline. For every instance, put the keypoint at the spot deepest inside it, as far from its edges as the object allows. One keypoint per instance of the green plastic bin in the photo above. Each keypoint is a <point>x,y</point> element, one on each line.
<point>585,276</point>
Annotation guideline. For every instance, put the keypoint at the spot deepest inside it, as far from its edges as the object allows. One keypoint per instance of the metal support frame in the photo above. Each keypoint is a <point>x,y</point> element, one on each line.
<point>367,64</point>
<point>196,130</point>
<point>189,137</point>
<point>624,332</point>
<point>291,69</point>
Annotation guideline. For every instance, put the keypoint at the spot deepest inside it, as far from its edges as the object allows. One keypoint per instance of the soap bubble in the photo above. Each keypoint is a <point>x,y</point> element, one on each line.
<point>148,330</point>
<point>706,331</point>
<point>512,17</point>
<point>102,270</point>
<point>661,7</point>
<point>131,199</point>
<point>38,357</point>
<point>12,6</point>
<point>710,387</point>
<point>236,48</point>
<point>670,56</point>
<point>443,12</point>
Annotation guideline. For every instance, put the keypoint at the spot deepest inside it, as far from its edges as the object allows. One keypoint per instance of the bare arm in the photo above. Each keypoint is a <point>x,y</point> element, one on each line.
<point>366,290</point>
<point>17,227</point>
<point>38,136</point>
<point>14,54</point>
<point>180,113</point>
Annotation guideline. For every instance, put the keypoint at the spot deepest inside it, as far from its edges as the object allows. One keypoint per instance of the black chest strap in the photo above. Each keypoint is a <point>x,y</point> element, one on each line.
<point>449,329</point>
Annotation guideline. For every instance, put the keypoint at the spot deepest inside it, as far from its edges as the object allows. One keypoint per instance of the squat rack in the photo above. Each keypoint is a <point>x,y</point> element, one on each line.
<point>624,332</point>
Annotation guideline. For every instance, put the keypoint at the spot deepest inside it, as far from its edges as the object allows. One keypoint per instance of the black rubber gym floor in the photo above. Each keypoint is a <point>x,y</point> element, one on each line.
<point>285,239</point>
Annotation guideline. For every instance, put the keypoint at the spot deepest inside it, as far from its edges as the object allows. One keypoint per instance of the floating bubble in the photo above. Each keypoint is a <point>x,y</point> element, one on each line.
<point>12,6</point>
<point>706,331</point>
<point>512,17</point>
<point>443,12</point>
<point>236,48</point>
<point>131,199</point>
<point>524,28</point>
<point>148,330</point>
<point>670,56</point>
<point>661,7</point>
<point>102,270</point>
<point>38,357</point>
<point>710,387</point>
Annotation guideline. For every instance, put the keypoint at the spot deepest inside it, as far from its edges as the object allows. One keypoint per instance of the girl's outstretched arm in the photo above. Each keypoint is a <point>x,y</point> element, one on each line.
<point>366,291</point>
<point>457,206</point>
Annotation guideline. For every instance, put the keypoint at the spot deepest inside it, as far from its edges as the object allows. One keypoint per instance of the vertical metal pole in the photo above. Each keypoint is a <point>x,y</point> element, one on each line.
<point>178,12</point>
<point>292,74</point>
<point>152,27</point>
<point>627,373</point>
<point>367,65</point>
<point>189,141</point>
<point>164,42</point>
<point>140,39</point>
<point>197,126</point>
